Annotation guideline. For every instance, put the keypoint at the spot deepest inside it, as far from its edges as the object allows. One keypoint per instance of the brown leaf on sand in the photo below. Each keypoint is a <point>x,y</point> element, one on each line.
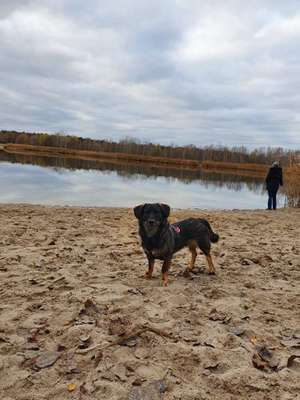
<point>46,359</point>
<point>119,325</point>
<point>89,308</point>
<point>82,388</point>
<point>291,360</point>
<point>215,315</point>
<point>88,314</point>
<point>258,362</point>
<point>153,391</point>
<point>32,338</point>
<point>265,359</point>
<point>60,347</point>
<point>253,340</point>
<point>71,387</point>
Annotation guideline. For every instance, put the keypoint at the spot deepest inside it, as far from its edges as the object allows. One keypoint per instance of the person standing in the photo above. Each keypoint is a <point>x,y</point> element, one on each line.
<point>273,181</point>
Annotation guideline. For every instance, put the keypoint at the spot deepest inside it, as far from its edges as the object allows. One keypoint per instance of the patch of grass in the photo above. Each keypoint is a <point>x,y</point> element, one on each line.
<point>291,187</point>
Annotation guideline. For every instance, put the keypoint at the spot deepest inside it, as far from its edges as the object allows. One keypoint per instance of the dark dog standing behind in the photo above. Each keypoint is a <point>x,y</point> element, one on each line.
<point>160,240</point>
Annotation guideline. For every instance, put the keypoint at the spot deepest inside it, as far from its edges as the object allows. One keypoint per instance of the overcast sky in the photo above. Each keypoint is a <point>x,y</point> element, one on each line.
<point>169,71</point>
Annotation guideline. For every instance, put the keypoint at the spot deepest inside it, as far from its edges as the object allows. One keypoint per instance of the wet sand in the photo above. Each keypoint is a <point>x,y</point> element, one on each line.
<point>79,321</point>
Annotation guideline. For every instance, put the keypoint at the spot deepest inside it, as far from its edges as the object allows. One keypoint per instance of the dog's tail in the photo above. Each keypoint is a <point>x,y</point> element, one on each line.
<point>214,237</point>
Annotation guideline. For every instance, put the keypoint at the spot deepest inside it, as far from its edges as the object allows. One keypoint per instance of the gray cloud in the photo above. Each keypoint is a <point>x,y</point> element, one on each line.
<point>180,72</point>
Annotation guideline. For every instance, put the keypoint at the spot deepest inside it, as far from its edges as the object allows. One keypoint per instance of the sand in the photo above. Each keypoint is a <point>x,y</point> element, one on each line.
<point>72,291</point>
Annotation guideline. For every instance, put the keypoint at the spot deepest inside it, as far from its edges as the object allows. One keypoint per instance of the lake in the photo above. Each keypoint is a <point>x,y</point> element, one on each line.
<point>66,181</point>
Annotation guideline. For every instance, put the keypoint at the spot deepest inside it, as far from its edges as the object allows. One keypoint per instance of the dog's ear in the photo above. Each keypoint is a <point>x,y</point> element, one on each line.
<point>165,210</point>
<point>138,211</point>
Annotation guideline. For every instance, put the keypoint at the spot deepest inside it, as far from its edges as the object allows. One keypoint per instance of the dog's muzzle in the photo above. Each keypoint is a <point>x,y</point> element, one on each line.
<point>151,226</point>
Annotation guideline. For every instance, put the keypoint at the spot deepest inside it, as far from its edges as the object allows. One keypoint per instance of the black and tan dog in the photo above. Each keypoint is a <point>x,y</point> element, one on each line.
<point>160,240</point>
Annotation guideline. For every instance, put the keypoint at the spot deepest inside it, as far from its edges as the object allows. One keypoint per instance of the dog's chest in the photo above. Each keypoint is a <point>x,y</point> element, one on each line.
<point>155,252</point>
<point>161,249</point>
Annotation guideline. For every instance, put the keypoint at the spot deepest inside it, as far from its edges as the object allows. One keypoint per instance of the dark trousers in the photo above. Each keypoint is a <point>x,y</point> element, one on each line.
<point>272,198</point>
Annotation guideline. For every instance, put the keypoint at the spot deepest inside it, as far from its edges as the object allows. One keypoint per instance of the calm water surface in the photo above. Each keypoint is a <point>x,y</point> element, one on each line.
<point>58,181</point>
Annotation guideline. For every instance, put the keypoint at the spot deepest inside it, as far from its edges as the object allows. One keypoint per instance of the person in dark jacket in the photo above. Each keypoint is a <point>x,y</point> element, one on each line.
<point>273,181</point>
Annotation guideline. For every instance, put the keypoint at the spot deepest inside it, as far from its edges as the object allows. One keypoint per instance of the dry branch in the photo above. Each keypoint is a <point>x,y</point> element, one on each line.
<point>127,337</point>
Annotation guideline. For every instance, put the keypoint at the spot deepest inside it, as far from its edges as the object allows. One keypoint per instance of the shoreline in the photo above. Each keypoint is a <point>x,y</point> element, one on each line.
<point>127,208</point>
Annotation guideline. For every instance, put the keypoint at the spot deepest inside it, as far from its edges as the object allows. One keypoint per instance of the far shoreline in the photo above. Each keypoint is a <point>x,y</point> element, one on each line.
<point>258,170</point>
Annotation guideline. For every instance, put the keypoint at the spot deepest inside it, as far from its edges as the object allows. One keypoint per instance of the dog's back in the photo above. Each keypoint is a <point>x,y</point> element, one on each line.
<point>194,230</point>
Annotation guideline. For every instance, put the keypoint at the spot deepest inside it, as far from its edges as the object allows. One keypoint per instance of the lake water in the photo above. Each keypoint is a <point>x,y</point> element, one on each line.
<point>60,181</point>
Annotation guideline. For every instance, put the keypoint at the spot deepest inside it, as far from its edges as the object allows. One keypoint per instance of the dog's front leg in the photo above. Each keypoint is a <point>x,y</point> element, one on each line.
<point>150,267</point>
<point>165,268</point>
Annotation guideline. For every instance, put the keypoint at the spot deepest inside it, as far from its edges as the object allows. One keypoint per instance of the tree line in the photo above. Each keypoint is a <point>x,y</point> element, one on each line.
<point>236,154</point>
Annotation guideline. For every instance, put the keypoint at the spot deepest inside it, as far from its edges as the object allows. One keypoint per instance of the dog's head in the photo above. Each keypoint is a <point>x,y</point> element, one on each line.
<point>152,216</point>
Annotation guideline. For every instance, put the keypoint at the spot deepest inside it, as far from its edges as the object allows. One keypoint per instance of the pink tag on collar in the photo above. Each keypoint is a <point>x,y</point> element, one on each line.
<point>177,229</point>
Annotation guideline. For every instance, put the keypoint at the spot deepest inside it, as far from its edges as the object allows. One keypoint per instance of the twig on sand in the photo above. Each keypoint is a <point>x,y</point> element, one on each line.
<point>127,337</point>
<point>58,280</point>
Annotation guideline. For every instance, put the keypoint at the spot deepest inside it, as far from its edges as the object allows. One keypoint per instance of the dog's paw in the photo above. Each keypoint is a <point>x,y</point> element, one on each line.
<point>198,270</point>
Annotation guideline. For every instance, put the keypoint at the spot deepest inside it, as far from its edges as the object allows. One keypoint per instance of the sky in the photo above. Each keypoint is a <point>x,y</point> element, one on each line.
<point>177,72</point>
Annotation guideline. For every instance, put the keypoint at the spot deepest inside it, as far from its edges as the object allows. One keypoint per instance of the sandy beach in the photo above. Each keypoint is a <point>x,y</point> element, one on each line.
<point>79,321</point>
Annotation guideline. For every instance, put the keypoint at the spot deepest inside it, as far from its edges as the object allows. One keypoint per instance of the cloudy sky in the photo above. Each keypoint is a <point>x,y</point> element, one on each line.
<point>169,71</point>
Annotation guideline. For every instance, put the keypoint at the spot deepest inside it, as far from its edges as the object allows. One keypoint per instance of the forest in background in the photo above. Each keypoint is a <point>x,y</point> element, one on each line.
<point>130,145</point>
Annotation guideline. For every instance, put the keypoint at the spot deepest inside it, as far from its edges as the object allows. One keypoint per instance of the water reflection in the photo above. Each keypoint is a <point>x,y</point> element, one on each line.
<point>107,183</point>
<point>135,170</point>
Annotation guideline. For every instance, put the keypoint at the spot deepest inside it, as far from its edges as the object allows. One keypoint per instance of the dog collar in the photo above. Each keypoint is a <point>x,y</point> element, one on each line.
<point>176,229</point>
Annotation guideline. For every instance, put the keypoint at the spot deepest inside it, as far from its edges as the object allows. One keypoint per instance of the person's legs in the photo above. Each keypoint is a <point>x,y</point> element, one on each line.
<point>270,200</point>
<point>274,199</point>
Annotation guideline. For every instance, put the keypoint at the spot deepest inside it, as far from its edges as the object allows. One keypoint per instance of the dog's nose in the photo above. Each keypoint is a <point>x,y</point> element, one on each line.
<point>151,221</point>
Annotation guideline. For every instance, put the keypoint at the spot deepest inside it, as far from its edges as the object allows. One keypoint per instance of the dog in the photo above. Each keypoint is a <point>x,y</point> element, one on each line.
<point>160,240</point>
